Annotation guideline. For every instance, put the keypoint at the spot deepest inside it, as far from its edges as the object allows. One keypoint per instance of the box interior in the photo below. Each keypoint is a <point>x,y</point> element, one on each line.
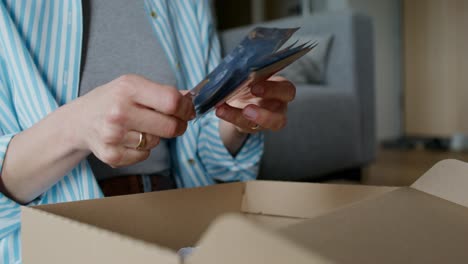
<point>425,223</point>
<point>398,227</point>
<point>172,219</point>
<point>232,239</point>
<point>177,218</point>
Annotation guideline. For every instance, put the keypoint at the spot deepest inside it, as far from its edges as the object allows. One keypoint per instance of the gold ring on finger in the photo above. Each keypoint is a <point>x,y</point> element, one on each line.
<point>256,127</point>
<point>142,142</point>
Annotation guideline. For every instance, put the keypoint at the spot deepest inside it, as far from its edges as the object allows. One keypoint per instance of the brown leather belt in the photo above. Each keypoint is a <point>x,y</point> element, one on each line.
<point>132,184</point>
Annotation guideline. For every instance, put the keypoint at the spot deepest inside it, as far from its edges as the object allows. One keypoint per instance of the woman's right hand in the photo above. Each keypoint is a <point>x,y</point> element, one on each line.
<point>112,116</point>
<point>107,121</point>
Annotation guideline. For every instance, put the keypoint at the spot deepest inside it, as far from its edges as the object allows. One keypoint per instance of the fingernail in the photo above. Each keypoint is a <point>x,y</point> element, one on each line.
<point>250,113</point>
<point>258,90</point>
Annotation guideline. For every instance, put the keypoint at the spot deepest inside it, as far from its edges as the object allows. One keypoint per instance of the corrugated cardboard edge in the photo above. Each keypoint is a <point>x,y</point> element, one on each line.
<point>84,244</point>
<point>303,200</point>
<point>232,239</point>
<point>447,179</point>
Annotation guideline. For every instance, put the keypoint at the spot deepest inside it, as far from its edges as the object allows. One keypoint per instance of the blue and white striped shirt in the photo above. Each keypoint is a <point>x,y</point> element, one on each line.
<point>40,51</point>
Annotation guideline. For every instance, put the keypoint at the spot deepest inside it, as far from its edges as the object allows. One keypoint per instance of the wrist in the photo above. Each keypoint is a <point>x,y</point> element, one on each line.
<point>233,139</point>
<point>73,127</point>
<point>231,130</point>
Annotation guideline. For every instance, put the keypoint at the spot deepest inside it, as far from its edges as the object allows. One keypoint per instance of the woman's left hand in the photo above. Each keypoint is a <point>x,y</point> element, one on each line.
<point>264,107</point>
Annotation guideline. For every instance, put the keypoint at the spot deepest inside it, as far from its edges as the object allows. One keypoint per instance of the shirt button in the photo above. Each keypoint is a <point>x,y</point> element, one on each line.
<point>177,65</point>
<point>153,14</point>
<point>191,161</point>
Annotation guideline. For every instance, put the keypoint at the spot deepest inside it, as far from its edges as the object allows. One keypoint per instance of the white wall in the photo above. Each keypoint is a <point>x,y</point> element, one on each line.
<point>386,15</point>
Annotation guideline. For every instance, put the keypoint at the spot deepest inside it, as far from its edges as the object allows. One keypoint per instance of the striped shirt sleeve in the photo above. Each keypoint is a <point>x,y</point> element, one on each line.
<point>9,209</point>
<point>208,35</point>
<point>217,160</point>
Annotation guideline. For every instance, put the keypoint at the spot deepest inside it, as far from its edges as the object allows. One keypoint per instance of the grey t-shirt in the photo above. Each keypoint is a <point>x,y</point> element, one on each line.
<point>118,39</point>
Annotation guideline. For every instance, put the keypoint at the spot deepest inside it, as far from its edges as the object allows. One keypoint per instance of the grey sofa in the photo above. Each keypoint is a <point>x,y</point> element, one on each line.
<point>331,127</point>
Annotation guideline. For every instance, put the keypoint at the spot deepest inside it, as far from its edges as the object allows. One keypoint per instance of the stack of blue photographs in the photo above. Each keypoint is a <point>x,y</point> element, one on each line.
<point>257,51</point>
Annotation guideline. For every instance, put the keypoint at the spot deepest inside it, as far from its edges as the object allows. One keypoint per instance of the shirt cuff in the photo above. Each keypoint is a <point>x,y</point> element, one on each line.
<point>9,209</point>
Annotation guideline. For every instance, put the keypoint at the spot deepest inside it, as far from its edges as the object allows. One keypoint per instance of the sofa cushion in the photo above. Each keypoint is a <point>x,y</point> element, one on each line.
<point>309,69</point>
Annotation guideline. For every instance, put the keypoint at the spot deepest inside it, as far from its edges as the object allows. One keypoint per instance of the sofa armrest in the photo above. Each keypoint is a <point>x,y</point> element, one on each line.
<point>323,125</point>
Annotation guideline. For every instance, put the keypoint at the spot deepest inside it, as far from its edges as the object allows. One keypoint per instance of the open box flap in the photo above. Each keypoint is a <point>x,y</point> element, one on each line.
<point>73,242</point>
<point>448,179</point>
<point>174,219</point>
<point>232,240</point>
<point>303,200</point>
<point>402,226</point>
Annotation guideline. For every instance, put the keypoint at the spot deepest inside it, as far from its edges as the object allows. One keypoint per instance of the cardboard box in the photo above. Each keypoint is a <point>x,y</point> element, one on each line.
<point>274,222</point>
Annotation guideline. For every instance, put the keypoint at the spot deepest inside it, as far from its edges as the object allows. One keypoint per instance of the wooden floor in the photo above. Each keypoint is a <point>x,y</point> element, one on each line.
<point>402,168</point>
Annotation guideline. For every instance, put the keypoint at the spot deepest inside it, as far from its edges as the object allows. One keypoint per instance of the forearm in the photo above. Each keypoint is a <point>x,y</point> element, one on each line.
<point>39,156</point>
<point>233,139</point>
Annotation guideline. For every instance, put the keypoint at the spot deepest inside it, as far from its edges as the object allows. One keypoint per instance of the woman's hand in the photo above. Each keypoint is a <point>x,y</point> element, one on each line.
<point>107,121</point>
<point>264,107</point>
<point>113,116</point>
